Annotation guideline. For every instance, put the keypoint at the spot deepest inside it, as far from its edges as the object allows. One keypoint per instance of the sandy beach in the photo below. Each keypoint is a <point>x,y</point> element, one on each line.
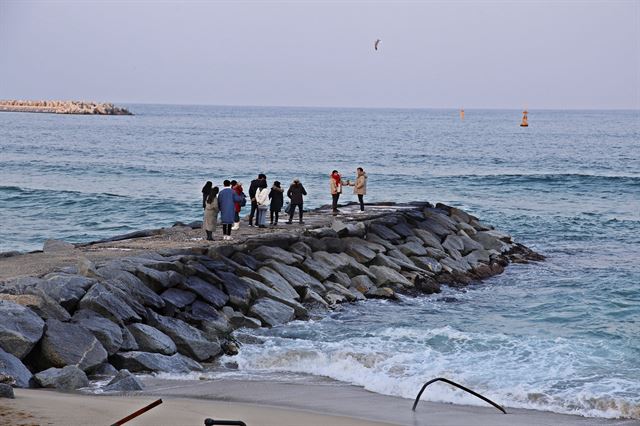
<point>189,402</point>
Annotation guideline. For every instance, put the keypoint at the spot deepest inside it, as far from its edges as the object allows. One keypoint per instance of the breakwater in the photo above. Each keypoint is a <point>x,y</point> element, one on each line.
<point>170,310</point>
<point>63,107</point>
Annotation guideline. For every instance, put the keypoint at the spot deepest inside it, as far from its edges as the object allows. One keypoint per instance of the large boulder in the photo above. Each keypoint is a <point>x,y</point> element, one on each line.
<point>200,311</point>
<point>66,378</point>
<point>6,391</point>
<point>124,381</point>
<point>158,280</point>
<point>360,252</point>
<point>261,290</point>
<point>478,256</point>
<point>301,249</point>
<point>20,328</point>
<point>435,228</point>
<point>150,339</point>
<point>272,313</point>
<point>362,283</point>
<point>412,249</point>
<point>428,238</point>
<point>316,269</point>
<point>428,264</point>
<point>277,282</point>
<point>349,294</point>
<point>383,232</point>
<point>382,259</point>
<point>297,278</point>
<point>490,240</point>
<point>402,229</point>
<point>71,344</point>
<point>66,289</point>
<point>469,244</point>
<point>108,304</point>
<point>239,290</point>
<point>352,267</point>
<point>381,293</point>
<point>13,367</point>
<point>41,304</point>
<point>131,284</point>
<point>208,292</point>
<point>277,254</point>
<point>387,277</point>
<point>453,242</point>
<point>108,333</point>
<point>177,298</point>
<point>136,361</point>
<point>189,340</point>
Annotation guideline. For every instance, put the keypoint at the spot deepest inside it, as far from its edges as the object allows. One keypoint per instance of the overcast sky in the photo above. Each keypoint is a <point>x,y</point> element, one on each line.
<point>499,54</point>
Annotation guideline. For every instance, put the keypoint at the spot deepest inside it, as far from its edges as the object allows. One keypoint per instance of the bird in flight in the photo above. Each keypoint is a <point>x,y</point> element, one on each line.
<point>375,46</point>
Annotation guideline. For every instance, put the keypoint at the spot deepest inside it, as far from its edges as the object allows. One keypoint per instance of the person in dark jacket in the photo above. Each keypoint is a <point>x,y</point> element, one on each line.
<point>277,200</point>
<point>206,189</point>
<point>295,193</point>
<point>253,187</point>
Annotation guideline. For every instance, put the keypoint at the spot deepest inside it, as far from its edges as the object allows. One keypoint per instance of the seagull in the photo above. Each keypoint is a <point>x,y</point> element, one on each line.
<point>375,46</point>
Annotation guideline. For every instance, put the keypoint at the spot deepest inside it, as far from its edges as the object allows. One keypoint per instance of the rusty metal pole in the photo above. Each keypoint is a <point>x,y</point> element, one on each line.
<point>137,413</point>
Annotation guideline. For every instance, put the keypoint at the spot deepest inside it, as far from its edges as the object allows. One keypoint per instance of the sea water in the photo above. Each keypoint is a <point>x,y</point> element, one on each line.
<point>562,335</point>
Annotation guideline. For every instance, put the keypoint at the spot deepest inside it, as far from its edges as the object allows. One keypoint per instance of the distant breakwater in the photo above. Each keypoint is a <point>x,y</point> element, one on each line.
<point>171,310</point>
<point>63,107</point>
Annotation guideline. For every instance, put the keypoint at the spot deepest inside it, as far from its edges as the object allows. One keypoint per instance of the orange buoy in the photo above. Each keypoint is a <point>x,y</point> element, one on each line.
<point>525,119</point>
<point>462,114</point>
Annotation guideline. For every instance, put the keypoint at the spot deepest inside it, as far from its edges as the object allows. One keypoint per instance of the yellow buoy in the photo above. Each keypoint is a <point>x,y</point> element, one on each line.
<point>525,119</point>
<point>462,114</point>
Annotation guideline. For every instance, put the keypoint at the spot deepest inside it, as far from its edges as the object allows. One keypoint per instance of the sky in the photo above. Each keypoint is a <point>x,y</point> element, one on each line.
<point>432,54</point>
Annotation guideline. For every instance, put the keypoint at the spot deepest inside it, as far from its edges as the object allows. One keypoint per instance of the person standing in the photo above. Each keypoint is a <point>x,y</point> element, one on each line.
<point>277,200</point>
<point>360,187</point>
<point>205,193</point>
<point>335,185</point>
<point>211,213</point>
<point>226,204</point>
<point>262,199</point>
<point>237,187</point>
<point>295,193</point>
<point>253,187</point>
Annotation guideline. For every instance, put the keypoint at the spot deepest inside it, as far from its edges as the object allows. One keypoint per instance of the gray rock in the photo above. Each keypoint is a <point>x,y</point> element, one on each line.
<point>362,284</point>
<point>357,229</point>
<point>189,340</point>
<point>360,252</point>
<point>87,268</point>
<point>57,246</point>
<point>331,261</point>
<point>6,391</point>
<point>383,232</point>
<point>158,280</point>
<point>387,276</point>
<point>274,280</point>
<point>150,339</point>
<point>468,229</point>
<point>321,232</point>
<point>70,344</point>
<point>435,253</point>
<point>435,228</point>
<point>178,298</point>
<point>277,254</point>
<point>20,328</point>
<point>131,284</point>
<point>469,244</point>
<point>477,256</point>
<point>381,293</point>
<point>108,333</point>
<point>353,268</point>
<point>44,306</point>
<point>348,294</point>
<point>261,290</point>
<point>334,298</point>
<point>239,291</point>
<point>103,370</point>
<point>66,378</point>
<point>66,289</point>
<point>460,265</point>
<point>297,278</point>
<point>412,249</point>
<point>426,285</point>
<point>316,269</point>
<point>128,341</point>
<point>400,258</point>
<point>384,260</point>
<point>453,242</point>
<point>246,260</point>
<point>428,238</point>
<point>13,367</point>
<point>108,304</point>
<point>208,292</point>
<point>136,361</point>
<point>301,249</point>
<point>239,320</point>
<point>272,313</point>
<point>124,381</point>
<point>460,215</point>
<point>440,217</point>
<point>314,299</point>
<point>201,271</point>
<point>490,241</point>
<point>428,264</point>
<point>402,229</point>
<point>375,239</point>
<point>377,248</point>
<point>201,311</point>
<point>340,278</point>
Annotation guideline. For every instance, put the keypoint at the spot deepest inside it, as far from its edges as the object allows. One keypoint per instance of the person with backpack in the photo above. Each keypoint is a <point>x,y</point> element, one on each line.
<point>226,204</point>
<point>211,213</point>
<point>253,187</point>
<point>295,193</point>
<point>277,200</point>
<point>262,200</point>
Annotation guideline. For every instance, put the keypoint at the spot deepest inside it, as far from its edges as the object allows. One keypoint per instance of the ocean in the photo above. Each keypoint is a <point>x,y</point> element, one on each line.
<point>562,335</point>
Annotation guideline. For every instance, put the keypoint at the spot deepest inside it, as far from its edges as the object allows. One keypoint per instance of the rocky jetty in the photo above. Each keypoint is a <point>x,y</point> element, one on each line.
<point>63,107</point>
<point>171,310</point>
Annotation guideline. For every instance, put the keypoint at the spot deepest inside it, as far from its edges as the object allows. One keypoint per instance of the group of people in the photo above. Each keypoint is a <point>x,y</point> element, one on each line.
<point>229,201</point>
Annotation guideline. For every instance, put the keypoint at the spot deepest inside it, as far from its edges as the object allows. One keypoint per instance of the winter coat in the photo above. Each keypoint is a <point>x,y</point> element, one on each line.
<point>253,187</point>
<point>262,196</point>
<point>238,189</point>
<point>277,199</point>
<point>295,193</point>
<point>210,215</point>
<point>334,186</point>
<point>226,203</point>
<point>360,188</point>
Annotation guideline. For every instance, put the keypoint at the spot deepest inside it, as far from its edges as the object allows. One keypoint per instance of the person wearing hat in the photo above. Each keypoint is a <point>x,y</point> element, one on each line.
<point>277,201</point>
<point>295,193</point>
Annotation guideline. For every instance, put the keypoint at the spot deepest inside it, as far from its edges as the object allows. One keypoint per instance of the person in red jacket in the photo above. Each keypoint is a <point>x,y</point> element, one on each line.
<point>237,188</point>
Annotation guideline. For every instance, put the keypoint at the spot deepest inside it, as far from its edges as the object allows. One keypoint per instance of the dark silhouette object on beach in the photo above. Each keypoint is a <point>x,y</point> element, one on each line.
<point>296,194</point>
<point>211,213</point>
<point>277,201</point>
<point>442,379</point>
<point>253,187</point>
<point>140,411</point>
<point>211,422</point>
<point>205,192</point>
<point>375,45</point>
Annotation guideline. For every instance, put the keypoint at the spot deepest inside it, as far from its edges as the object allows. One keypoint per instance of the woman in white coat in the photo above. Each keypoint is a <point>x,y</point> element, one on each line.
<point>262,200</point>
<point>211,213</point>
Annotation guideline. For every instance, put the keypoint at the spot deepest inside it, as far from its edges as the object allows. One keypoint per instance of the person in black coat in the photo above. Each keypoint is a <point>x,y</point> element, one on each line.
<point>277,200</point>
<point>253,187</point>
<point>295,194</point>
<point>206,190</point>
